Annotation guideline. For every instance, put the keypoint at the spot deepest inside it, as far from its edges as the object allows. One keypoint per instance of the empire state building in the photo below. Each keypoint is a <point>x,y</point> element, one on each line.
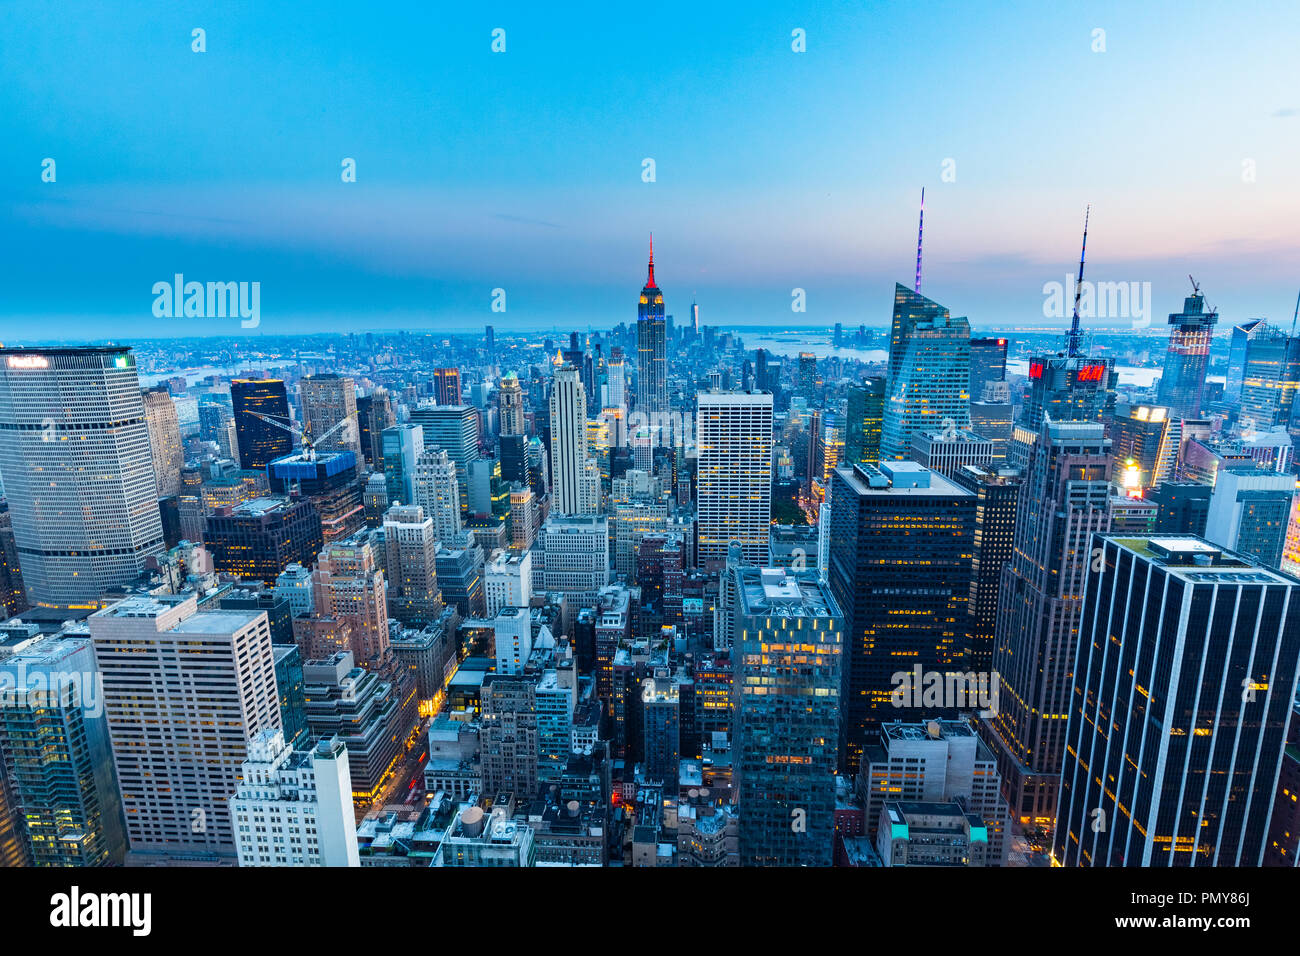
<point>652,359</point>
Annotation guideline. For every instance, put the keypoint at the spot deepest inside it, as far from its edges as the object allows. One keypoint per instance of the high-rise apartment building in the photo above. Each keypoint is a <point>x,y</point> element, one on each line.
<point>78,471</point>
<point>733,437</point>
<point>575,476</point>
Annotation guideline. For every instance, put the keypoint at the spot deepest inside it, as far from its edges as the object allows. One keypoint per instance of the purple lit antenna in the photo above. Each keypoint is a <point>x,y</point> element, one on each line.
<point>1073,338</point>
<point>920,226</point>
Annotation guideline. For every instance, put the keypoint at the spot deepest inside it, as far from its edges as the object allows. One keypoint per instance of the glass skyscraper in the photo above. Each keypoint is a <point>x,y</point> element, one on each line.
<point>1183,381</point>
<point>929,372</point>
<point>787,658</point>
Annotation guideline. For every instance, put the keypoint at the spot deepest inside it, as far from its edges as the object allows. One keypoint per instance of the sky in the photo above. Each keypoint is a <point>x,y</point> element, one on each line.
<point>524,170</point>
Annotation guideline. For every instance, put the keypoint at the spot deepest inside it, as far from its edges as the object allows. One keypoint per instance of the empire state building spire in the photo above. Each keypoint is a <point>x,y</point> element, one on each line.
<point>650,282</point>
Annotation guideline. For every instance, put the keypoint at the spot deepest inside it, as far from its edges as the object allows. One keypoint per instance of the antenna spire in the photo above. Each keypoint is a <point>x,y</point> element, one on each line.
<point>920,228</point>
<point>1074,336</point>
<point>1296,316</point>
<point>650,283</point>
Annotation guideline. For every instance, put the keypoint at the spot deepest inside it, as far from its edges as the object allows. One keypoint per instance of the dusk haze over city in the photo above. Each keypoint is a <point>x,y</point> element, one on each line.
<point>827,436</point>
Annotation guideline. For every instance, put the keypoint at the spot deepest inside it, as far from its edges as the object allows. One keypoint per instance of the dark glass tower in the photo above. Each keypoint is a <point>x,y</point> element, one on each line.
<point>865,416</point>
<point>1183,380</point>
<point>988,363</point>
<point>902,538</point>
<point>1178,712</point>
<point>260,442</point>
<point>651,354</point>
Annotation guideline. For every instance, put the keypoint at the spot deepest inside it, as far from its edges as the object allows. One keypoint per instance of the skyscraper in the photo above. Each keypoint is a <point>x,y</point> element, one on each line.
<point>651,347</point>
<point>374,414</point>
<point>446,386</point>
<point>1178,712</point>
<point>902,539</point>
<point>55,749</point>
<point>1270,380</point>
<point>865,418</point>
<point>788,654</point>
<point>575,477</point>
<point>260,442</point>
<point>1242,333</point>
<point>1064,499</point>
<point>929,372</point>
<point>438,493</point>
<point>328,400</point>
<point>185,692</point>
<point>997,495</point>
<point>510,397</point>
<point>78,471</point>
<point>733,437</point>
<point>400,449</point>
<point>988,363</point>
<point>164,439</point>
<point>1183,381</point>
<point>454,429</point>
<point>410,569</point>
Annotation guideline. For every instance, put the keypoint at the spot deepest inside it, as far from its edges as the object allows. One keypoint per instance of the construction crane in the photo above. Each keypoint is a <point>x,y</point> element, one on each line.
<point>304,434</point>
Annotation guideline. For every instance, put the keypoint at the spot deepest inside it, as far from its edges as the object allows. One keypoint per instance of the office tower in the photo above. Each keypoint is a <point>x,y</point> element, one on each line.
<point>374,414</point>
<point>947,452</point>
<point>929,372</point>
<point>1270,379</point>
<point>1242,334</point>
<point>410,570</point>
<point>329,481</point>
<point>348,587</point>
<point>14,850</point>
<point>934,762</point>
<point>572,556</point>
<point>1184,507</point>
<point>260,442</point>
<point>510,397</point>
<point>902,542</point>
<point>370,716</point>
<point>453,429</point>
<point>437,491</point>
<point>575,476</point>
<point>651,347</point>
<point>509,733</point>
<point>185,693</point>
<point>616,374</point>
<point>56,753</point>
<point>13,595</point>
<point>788,658</point>
<point>289,685</point>
<point>1250,509</point>
<point>1145,448</point>
<point>473,839</point>
<point>733,436</point>
<point>865,415</point>
<point>484,477</point>
<point>214,414</point>
<point>1063,501</point>
<point>446,386</point>
<point>508,580</point>
<point>401,447</point>
<point>460,576</point>
<point>490,340</point>
<point>997,495</point>
<point>555,695</point>
<point>1182,383</point>
<point>630,521</point>
<point>661,729</point>
<point>988,363</point>
<point>806,372</point>
<point>375,499</point>
<point>525,518</point>
<point>259,538</point>
<point>78,471</point>
<point>991,417</point>
<point>294,807</point>
<point>164,439</point>
<point>512,638</point>
<point>294,585</point>
<point>328,400</point>
<point>1178,713</point>
<point>513,451</point>
<point>1061,389</point>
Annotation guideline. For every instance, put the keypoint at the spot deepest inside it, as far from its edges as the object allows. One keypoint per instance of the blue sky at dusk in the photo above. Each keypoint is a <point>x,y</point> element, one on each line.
<point>523,170</point>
